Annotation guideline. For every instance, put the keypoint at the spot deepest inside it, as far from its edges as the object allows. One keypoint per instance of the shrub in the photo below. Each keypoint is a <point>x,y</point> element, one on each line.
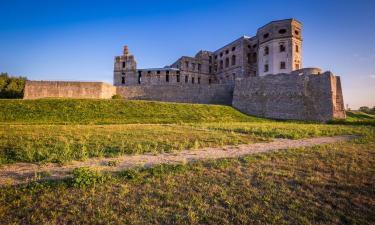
<point>11,87</point>
<point>117,97</point>
<point>84,176</point>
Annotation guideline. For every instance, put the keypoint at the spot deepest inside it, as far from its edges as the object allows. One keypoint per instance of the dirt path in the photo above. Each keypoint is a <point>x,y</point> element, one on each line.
<point>25,172</point>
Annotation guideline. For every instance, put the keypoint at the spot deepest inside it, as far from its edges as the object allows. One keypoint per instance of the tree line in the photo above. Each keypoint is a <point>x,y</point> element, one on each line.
<point>11,86</point>
<point>367,109</point>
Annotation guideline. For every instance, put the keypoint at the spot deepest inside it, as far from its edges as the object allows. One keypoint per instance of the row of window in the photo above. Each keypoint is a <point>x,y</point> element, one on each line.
<point>282,66</point>
<point>123,81</point>
<point>233,62</point>
<point>281,31</point>
<point>193,66</point>
<point>282,48</point>
<point>222,53</point>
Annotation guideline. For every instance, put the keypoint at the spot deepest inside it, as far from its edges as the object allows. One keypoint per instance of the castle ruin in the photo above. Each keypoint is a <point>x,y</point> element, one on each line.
<point>258,75</point>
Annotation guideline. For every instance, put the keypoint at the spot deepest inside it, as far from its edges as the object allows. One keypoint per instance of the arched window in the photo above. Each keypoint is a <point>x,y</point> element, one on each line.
<point>226,62</point>
<point>123,80</point>
<point>233,60</point>
<point>221,64</point>
<point>297,48</point>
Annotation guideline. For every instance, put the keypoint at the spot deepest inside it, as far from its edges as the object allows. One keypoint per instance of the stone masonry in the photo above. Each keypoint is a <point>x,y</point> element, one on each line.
<point>259,75</point>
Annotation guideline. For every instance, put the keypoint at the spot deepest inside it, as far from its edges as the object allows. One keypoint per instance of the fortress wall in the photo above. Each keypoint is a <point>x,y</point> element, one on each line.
<point>62,89</point>
<point>290,96</point>
<point>204,94</point>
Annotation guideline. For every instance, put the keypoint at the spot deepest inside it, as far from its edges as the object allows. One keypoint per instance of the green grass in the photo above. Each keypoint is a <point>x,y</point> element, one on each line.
<point>63,143</point>
<point>62,130</point>
<point>332,184</point>
<point>356,118</point>
<point>85,111</point>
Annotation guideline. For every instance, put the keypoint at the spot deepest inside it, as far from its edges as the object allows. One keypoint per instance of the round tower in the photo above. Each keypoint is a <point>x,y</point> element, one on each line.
<point>280,47</point>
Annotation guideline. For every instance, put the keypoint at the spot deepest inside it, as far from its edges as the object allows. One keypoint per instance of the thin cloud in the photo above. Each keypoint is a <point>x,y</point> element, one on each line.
<point>372,76</point>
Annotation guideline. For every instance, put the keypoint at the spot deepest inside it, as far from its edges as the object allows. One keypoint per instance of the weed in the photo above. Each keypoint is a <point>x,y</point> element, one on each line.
<point>83,177</point>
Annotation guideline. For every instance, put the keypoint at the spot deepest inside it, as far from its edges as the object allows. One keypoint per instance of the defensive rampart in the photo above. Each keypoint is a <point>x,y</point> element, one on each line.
<point>289,96</point>
<point>66,89</point>
<point>205,94</point>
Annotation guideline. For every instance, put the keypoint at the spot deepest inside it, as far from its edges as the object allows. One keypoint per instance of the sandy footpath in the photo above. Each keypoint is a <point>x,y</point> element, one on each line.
<point>24,172</point>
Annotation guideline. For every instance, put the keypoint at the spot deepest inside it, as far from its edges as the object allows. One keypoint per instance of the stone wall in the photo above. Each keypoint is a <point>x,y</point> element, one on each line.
<point>65,89</point>
<point>290,96</point>
<point>207,94</point>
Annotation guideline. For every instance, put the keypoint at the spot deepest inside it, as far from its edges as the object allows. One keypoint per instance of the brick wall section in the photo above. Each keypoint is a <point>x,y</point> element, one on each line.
<point>204,94</point>
<point>290,96</point>
<point>65,89</point>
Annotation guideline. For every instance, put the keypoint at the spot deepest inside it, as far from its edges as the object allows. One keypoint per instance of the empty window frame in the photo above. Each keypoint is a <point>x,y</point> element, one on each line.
<point>266,67</point>
<point>167,76</point>
<point>282,47</point>
<point>297,48</point>
<point>233,60</point>
<point>123,64</point>
<point>139,77</point>
<point>186,79</point>
<point>122,80</point>
<point>199,80</point>
<point>282,65</point>
<point>266,50</point>
<point>226,62</point>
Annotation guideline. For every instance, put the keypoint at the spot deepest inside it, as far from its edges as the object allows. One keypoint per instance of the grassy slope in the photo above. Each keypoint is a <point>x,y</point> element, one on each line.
<point>331,184</point>
<point>32,130</point>
<point>357,118</point>
<point>80,111</point>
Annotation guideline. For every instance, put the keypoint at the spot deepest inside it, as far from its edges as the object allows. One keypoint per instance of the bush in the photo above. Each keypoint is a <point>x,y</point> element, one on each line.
<point>117,97</point>
<point>84,176</point>
<point>367,109</point>
<point>11,87</point>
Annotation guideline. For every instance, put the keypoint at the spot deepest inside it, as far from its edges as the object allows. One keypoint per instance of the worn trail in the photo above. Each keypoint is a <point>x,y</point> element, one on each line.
<point>24,172</point>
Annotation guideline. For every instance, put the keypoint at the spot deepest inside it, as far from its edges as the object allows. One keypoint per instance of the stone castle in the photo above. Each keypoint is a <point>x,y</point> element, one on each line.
<point>260,75</point>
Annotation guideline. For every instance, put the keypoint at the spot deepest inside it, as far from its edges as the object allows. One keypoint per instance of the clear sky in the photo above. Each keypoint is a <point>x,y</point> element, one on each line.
<point>77,40</point>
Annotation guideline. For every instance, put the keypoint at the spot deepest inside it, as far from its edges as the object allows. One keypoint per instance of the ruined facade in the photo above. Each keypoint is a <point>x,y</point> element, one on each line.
<point>259,75</point>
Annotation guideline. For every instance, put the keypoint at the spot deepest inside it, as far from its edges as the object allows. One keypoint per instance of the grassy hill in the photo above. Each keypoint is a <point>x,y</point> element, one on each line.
<point>357,118</point>
<point>85,111</point>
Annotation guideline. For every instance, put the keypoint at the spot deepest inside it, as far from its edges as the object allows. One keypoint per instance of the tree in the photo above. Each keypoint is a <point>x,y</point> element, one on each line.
<point>11,87</point>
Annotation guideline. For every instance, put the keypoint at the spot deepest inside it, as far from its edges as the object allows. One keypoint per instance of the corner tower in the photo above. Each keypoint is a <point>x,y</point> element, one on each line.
<point>280,47</point>
<point>125,69</point>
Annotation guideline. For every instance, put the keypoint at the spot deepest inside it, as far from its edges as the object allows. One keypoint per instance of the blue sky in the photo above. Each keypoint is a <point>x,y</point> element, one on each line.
<point>77,40</point>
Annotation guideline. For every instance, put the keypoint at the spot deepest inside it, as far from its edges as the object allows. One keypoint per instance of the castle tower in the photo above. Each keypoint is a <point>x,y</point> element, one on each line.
<point>125,69</point>
<point>280,47</point>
